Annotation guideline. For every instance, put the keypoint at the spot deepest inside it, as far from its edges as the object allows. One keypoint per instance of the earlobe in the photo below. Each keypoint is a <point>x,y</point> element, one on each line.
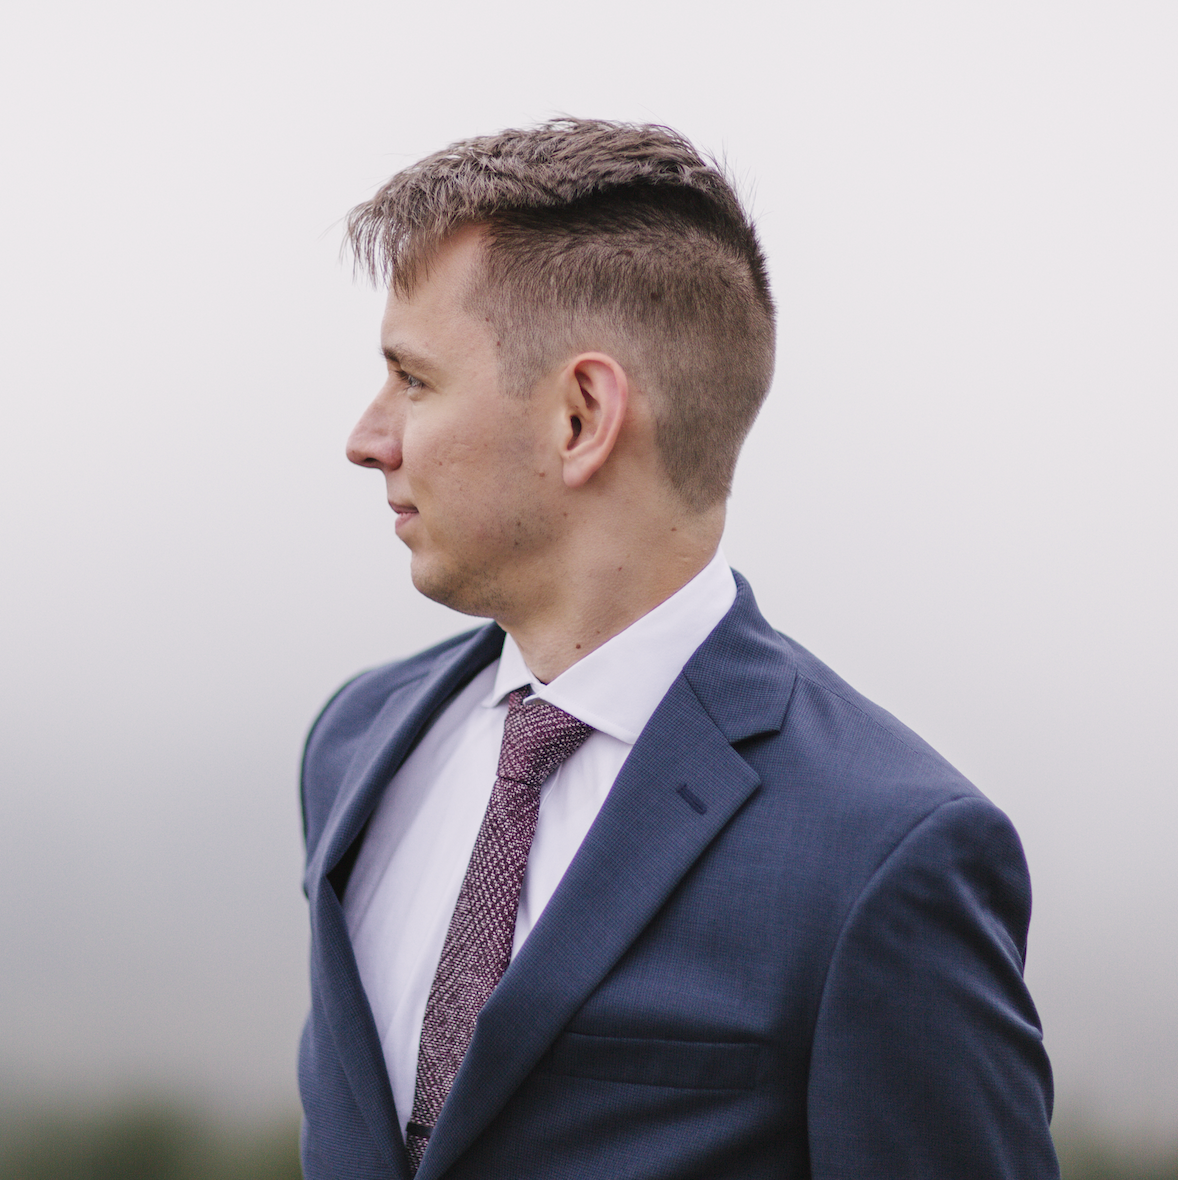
<point>598,396</point>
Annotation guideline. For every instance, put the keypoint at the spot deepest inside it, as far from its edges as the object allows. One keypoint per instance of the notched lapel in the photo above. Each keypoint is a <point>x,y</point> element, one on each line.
<point>744,672</point>
<point>644,840</point>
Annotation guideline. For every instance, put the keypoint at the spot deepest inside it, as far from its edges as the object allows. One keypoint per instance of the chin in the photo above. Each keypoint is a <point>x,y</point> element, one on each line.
<point>468,591</point>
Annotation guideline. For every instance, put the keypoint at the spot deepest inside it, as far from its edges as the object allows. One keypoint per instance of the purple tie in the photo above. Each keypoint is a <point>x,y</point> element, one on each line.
<point>537,738</point>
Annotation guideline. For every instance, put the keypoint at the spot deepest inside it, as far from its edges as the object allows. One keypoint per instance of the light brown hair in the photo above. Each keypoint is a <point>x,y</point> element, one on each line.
<point>600,235</point>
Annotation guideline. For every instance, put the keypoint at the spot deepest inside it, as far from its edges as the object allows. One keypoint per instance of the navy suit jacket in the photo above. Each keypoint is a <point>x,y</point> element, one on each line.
<point>790,946</point>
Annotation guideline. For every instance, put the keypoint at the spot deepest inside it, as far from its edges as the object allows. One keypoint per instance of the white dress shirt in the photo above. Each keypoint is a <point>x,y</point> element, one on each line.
<point>410,868</point>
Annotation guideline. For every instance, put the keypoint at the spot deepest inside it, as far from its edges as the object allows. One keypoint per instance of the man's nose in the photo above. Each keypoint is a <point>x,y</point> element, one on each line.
<point>375,440</point>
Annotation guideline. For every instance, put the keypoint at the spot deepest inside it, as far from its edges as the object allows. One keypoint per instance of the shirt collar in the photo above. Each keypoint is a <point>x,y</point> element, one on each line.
<point>617,687</point>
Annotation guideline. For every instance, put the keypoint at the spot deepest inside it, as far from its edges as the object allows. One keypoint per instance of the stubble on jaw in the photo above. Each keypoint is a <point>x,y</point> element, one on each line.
<point>501,590</point>
<point>470,592</point>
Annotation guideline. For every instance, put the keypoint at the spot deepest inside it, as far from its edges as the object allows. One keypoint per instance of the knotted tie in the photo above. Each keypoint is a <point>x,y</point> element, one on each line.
<point>537,738</point>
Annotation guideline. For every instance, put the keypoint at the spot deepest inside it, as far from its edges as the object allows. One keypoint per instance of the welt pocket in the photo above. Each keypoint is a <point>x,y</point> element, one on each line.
<point>648,1061</point>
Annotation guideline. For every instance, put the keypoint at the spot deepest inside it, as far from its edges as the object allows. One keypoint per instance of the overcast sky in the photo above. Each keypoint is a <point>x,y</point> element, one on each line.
<point>961,494</point>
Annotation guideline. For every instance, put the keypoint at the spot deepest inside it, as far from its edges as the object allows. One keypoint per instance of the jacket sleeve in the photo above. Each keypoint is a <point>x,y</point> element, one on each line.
<point>928,1059</point>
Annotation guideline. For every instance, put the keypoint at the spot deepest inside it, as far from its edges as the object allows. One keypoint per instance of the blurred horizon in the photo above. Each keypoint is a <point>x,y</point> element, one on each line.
<point>961,494</point>
<point>148,1138</point>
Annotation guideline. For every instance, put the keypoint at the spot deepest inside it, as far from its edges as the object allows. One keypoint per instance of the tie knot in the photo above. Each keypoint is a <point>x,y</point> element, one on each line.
<point>537,738</point>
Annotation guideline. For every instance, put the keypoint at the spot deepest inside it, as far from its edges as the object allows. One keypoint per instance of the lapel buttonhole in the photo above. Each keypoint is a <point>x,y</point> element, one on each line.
<point>691,799</point>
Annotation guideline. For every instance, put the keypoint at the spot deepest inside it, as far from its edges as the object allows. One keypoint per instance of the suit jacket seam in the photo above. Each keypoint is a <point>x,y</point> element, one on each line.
<point>926,754</point>
<point>869,884</point>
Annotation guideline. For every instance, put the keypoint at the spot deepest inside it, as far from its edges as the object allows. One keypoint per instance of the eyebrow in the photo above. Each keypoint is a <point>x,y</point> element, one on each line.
<point>403,357</point>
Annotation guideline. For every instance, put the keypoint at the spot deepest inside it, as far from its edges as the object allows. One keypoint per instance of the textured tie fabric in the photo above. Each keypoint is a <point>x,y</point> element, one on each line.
<point>537,738</point>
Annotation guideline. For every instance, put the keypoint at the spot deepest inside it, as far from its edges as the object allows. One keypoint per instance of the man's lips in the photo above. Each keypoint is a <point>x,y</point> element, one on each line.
<point>404,512</point>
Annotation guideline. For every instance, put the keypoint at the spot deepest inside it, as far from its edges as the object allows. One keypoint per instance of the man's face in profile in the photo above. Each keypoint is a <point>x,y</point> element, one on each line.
<point>464,463</point>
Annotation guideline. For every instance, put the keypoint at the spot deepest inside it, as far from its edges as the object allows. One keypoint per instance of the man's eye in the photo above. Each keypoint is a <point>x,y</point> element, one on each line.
<point>409,381</point>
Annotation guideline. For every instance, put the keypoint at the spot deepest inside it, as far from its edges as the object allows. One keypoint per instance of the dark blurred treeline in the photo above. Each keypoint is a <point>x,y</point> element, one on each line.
<point>148,1142</point>
<point>1083,1156</point>
<point>144,1142</point>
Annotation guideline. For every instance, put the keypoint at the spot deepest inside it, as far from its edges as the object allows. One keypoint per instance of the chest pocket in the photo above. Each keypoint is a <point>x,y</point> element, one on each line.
<point>647,1061</point>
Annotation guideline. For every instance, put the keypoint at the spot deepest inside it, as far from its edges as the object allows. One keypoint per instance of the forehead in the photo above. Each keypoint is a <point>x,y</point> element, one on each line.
<point>443,283</point>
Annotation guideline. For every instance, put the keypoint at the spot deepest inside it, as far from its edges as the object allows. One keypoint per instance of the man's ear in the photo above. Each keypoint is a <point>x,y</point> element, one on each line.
<point>597,394</point>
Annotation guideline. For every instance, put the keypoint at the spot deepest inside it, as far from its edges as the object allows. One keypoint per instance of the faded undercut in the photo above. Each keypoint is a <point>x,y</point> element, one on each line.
<point>606,236</point>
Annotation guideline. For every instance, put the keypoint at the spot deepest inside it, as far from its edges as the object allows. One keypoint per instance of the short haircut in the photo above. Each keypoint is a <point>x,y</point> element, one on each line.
<point>611,236</point>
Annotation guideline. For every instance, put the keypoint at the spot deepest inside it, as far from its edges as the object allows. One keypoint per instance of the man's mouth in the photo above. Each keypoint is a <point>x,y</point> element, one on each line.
<point>404,512</point>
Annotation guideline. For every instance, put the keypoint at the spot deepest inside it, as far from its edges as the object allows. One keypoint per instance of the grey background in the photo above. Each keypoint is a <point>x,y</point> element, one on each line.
<point>961,494</point>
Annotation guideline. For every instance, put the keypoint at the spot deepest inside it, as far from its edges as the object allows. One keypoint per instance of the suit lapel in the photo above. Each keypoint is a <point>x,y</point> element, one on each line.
<point>646,837</point>
<point>392,735</point>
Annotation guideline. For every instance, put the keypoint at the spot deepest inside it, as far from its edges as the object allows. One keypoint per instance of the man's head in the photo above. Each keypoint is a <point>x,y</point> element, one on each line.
<point>599,237</point>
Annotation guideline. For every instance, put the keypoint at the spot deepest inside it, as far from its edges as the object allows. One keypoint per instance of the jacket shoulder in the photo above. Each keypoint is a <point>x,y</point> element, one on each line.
<point>840,756</point>
<point>805,729</point>
<point>821,693</point>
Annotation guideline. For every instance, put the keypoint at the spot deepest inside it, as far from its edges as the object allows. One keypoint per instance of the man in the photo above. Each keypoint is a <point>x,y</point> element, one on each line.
<point>627,884</point>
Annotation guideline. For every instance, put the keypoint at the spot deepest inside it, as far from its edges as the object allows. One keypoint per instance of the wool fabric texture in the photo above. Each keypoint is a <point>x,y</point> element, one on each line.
<point>537,738</point>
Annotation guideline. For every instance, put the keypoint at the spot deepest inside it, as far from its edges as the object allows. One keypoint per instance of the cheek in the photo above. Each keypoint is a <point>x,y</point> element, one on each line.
<point>428,448</point>
<point>485,473</point>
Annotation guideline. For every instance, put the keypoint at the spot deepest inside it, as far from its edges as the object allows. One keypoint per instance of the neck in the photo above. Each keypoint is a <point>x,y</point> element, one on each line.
<point>602,583</point>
